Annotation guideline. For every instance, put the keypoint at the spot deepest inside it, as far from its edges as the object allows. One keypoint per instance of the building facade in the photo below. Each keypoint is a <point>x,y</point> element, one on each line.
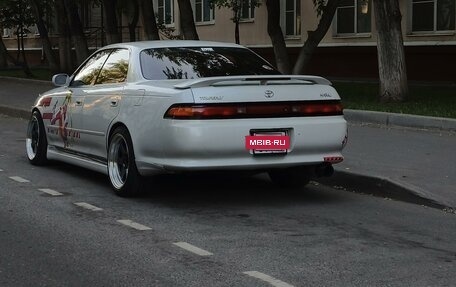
<point>347,51</point>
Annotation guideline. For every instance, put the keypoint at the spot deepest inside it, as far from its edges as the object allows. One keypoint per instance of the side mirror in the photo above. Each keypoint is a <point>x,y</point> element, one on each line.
<point>60,79</point>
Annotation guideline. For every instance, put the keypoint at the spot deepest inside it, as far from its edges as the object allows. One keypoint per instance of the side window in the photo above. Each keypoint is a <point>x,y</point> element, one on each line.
<point>115,68</point>
<point>89,72</point>
<point>433,15</point>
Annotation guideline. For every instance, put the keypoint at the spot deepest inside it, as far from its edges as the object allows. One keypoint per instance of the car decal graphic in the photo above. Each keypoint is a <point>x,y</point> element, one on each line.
<point>44,102</point>
<point>61,114</point>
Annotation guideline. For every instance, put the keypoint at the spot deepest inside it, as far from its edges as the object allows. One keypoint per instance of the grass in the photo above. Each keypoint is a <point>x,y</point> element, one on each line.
<point>426,100</point>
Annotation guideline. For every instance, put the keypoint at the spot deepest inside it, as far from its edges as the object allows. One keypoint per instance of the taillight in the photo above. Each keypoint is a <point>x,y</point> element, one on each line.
<point>255,110</point>
<point>333,159</point>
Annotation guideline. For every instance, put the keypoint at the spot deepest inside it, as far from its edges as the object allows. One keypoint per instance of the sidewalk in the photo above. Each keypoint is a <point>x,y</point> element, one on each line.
<point>409,164</point>
<point>399,162</point>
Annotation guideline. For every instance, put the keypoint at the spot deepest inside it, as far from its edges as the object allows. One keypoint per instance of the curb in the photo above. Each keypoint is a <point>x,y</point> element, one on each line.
<point>401,120</point>
<point>383,187</point>
<point>25,80</point>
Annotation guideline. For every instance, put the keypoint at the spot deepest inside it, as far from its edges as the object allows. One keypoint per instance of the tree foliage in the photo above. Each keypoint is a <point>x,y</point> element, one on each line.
<point>14,14</point>
<point>18,16</point>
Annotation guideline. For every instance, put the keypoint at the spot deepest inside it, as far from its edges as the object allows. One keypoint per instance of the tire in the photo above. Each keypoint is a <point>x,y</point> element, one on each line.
<point>36,141</point>
<point>123,174</point>
<point>294,177</point>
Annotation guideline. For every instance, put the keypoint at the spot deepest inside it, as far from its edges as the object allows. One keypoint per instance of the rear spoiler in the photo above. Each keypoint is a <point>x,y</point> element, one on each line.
<point>249,80</point>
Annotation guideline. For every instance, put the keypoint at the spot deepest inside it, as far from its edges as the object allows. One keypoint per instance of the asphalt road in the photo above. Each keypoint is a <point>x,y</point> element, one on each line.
<point>208,230</point>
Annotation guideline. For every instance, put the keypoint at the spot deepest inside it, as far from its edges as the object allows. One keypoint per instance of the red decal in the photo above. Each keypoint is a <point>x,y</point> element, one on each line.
<point>47,116</point>
<point>45,102</point>
<point>265,142</point>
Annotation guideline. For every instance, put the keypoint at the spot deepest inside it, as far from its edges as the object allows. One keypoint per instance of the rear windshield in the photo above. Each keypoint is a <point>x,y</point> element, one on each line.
<point>200,62</point>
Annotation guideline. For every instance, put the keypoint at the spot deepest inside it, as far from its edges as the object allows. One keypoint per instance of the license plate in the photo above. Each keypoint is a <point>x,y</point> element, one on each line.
<point>268,142</point>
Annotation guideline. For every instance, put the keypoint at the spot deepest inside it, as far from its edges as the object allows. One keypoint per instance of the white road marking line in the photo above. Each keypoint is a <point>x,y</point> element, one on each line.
<point>266,278</point>
<point>134,225</point>
<point>50,191</point>
<point>193,249</point>
<point>88,206</point>
<point>1,170</point>
<point>19,179</point>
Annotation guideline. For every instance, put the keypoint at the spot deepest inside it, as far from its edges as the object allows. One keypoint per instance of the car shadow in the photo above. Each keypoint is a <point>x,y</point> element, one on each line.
<point>212,189</point>
<point>231,189</point>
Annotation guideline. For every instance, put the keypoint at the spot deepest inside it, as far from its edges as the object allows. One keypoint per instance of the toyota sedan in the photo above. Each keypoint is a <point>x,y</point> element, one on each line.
<point>134,110</point>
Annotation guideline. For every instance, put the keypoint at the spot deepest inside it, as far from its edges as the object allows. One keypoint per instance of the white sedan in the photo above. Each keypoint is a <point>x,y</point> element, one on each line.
<point>139,109</point>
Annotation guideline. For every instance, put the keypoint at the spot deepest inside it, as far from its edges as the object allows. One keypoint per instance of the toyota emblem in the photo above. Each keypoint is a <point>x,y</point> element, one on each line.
<point>269,94</point>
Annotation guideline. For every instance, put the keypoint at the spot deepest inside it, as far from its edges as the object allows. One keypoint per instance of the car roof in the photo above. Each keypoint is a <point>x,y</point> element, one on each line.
<point>172,43</point>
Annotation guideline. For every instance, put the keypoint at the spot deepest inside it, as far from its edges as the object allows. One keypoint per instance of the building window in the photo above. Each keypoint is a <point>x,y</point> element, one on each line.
<point>203,11</point>
<point>6,33</point>
<point>353,17</point>
<point>35,31</point>
<point>292,19</point>
<point>247,9</point>
<point>165,10</point>
<point>433,15</point>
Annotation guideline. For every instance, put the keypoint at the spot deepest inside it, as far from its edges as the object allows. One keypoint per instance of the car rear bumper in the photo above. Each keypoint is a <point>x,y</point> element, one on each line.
<point>220,144</point>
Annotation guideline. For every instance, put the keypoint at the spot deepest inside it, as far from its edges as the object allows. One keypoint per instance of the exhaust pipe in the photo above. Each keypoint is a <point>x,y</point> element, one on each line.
<point>324,169</point>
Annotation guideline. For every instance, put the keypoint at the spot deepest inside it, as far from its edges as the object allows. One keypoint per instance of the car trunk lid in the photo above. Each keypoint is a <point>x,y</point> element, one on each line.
<point>248,89</point>
<point>257,97</point>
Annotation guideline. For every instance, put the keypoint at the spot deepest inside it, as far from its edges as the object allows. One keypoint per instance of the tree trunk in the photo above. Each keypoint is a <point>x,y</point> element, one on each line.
<point>18,40</point>
<point>3,55</point>
<point>149,22</point>
<point>236,33</point>
<point>4,51</point>
<point>134,17</point>
<point>79,39</point>
<point>187,20</point>
<point>276,35</point>
<point>25,66</point>
<point>111,23</point>
<point>47,46</point>
<point>390,50</point>
<point>314,37</point>
<point>65,55</point>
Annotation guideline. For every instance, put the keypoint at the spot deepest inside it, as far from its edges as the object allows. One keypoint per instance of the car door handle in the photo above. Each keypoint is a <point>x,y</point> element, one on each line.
<point>78,103</point>
<point>113,103</point>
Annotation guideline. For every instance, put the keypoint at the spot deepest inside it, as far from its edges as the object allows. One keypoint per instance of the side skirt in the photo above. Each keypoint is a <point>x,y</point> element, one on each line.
<point>54,153</point>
